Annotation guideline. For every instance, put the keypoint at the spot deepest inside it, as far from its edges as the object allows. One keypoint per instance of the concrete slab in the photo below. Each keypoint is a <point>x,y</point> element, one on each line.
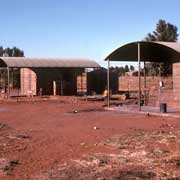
<point>173,112</point>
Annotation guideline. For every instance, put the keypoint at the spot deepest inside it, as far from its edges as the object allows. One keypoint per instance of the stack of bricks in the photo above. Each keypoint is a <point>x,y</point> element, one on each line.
<point>82,83</point>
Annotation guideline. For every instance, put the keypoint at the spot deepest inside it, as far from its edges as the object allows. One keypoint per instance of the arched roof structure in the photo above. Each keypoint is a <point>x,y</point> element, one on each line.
<point>23,62</point>
<point>144,51</point>
<point>149,51</point>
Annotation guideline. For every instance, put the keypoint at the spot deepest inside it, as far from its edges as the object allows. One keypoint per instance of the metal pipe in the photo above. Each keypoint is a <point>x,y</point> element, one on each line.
<point>12,78</point>
<point>145,93</point>
<point>139,76</point>
<point>160,87</point>
<point>108,88</point>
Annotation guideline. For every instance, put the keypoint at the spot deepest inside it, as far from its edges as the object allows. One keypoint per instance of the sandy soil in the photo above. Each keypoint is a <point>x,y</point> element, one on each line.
<point>73,139</point>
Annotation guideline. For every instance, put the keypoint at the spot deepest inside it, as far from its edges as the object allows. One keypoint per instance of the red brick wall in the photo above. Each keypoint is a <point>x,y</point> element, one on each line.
<point>170,94</point>
<point>69,81</point>
<point>28,81</point>
<point>176,83</point>
<point>130,83</point>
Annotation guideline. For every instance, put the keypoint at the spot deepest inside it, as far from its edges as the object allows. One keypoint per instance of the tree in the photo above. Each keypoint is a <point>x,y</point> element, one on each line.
<point>164,32</point>
<point>132,68</point>
<point>11,52</point>
<point>120,70</point>
<point>126,68</point>
<point>16,52</point>
<point>1,51</point>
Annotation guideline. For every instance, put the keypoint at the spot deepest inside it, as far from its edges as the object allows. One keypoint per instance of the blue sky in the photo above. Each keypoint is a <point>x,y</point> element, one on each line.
<point>80,28</point>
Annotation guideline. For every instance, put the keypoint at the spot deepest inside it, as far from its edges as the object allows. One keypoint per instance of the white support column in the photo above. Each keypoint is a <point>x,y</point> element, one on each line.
<point>54,88</point>
<point>139,76</point>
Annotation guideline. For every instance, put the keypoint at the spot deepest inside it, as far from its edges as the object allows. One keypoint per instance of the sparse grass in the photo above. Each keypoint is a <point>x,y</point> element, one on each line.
<point>141,155</point>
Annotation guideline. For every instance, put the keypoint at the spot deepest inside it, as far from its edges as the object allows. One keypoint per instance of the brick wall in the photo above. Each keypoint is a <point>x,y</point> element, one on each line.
<point>155,96</point>
<point>68,81</point>
<point>130,83</point>
<point>28,81</point>
<point>176,83</point>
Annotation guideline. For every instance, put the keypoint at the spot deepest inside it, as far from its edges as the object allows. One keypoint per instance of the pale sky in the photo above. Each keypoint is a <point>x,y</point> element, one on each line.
<point>79,28</point>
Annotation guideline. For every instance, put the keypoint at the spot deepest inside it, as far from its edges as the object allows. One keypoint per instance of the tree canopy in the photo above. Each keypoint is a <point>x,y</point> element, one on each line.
<point>122,70</point>
<point>166,32</point>
<point>11,52</point>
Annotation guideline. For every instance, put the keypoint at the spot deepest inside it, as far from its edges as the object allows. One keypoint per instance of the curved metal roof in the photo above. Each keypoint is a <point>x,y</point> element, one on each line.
<point>46,62</point>
<point>150,51</point>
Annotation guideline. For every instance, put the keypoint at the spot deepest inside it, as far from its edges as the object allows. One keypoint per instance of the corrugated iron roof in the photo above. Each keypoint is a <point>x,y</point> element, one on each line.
<point>173,45</point>
<point>150,51</point>
<point>47,62</point>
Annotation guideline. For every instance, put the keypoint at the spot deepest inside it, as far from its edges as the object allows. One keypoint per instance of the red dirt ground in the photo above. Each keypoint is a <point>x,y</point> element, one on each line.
<point>36,137</point>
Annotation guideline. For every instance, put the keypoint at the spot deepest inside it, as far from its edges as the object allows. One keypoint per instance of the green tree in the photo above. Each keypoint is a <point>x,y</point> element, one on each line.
<point>1,51</point>
<point>126,68</point>
<point>166,32</point>
<point>16,52</point>
<point>119,70</point>
<point>132,68</point>
<point>11,52</point>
